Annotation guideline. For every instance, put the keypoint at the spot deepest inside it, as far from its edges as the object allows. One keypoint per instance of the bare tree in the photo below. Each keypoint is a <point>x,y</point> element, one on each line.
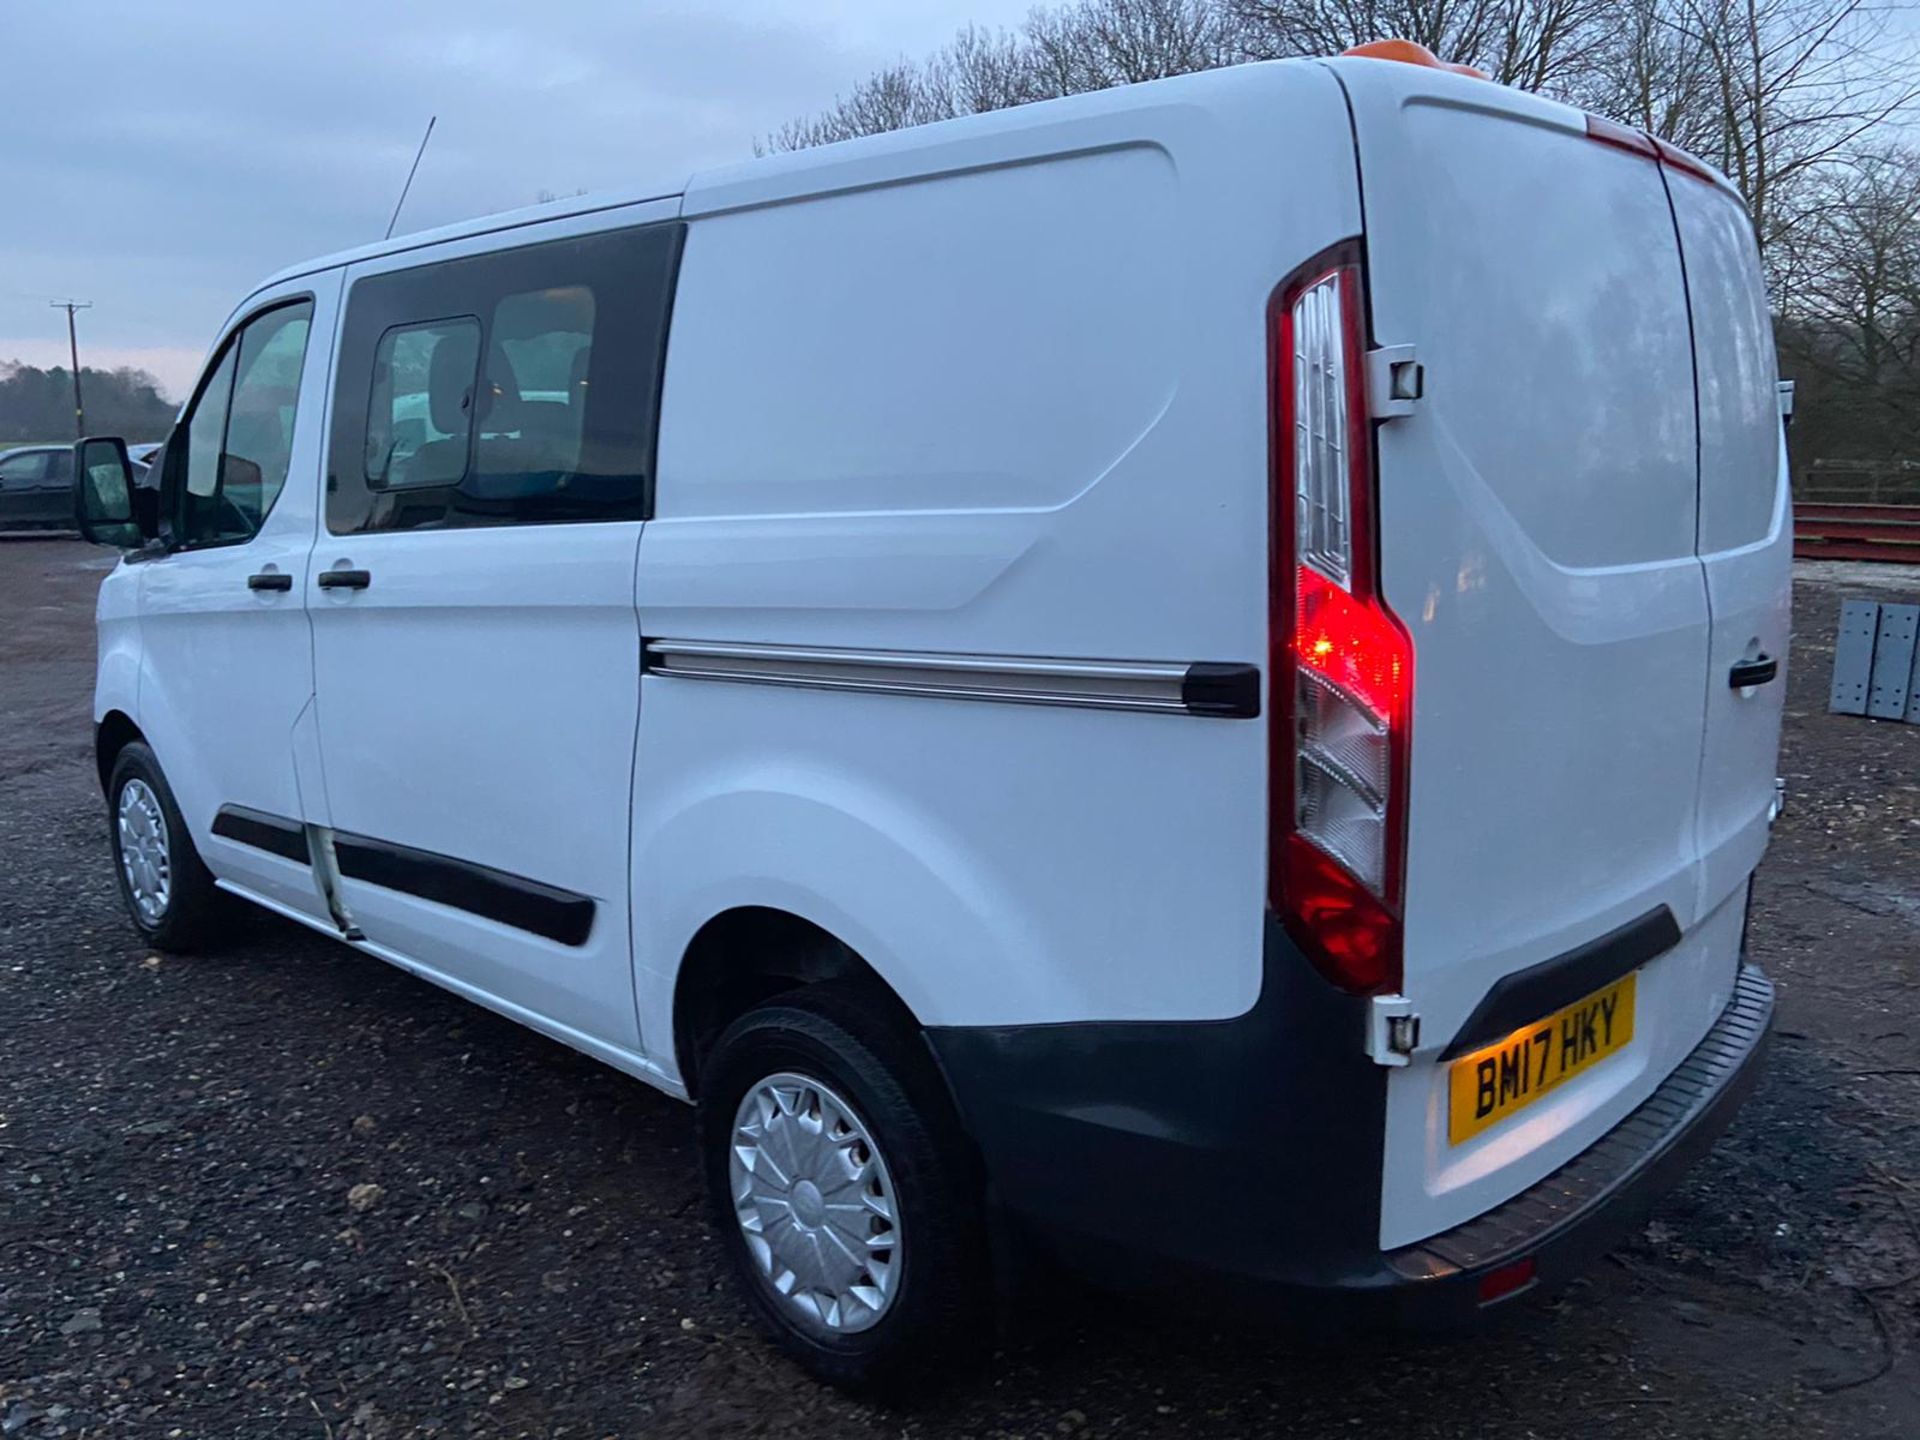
<point>989,70</point>
<point>1646,73</point>
<point>1086,45</point>
<point>1852,337</point>
<point>1098,43</point>
<point>903,94</point>
<point>1862,256</point>
<point>1529,43</point>
<point>1770,91</point>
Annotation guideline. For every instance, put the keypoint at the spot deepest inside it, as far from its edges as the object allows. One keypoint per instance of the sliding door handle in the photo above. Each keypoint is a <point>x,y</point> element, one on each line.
<point>344,580</point>
<point>270,580</point>
<point>1757,671</point>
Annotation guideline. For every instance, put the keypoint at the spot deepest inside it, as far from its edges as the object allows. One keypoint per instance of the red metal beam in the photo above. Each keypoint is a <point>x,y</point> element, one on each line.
<point>1856,530</point>
<point>1822,510</point>
<point>1889,533</point>
<point>1856,550</point>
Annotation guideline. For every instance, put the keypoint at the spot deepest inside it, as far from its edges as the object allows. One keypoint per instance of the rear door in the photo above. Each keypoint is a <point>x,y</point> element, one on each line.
<point>1746,529</point>
<point>1537,530</point>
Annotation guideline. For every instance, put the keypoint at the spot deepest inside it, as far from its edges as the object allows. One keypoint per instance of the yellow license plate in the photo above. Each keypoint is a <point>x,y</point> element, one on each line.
<point>1498,1082</point>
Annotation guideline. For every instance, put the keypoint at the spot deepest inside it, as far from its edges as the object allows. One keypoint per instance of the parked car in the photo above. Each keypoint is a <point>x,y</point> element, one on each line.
<point>1192,672</point>
<point>142,457</point>
<point>36,488</point>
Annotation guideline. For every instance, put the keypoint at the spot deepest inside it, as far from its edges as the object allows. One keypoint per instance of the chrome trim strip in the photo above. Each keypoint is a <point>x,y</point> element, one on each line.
<point>1021,680</point>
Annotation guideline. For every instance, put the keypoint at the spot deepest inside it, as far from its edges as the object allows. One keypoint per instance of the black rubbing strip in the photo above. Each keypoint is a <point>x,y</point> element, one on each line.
<point>1229,691</point>
<point>1536,992</point>
<point>275,834</point>
<point>543,910</point>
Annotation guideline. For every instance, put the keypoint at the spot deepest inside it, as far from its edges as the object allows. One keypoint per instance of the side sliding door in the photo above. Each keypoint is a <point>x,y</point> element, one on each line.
<point>476,646</point>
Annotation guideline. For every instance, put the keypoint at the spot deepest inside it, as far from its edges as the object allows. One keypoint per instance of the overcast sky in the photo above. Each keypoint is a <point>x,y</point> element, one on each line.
<point>160,159</point>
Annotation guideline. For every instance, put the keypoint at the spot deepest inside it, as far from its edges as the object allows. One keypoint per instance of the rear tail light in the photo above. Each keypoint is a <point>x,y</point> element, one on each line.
<point>1342,666</point>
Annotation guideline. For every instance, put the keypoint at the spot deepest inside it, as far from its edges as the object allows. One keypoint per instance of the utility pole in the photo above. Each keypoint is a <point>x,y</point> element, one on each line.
<point>73,349</point>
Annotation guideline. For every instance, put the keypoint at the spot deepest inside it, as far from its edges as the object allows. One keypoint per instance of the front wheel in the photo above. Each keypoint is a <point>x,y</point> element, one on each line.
<point>169,893</point>
<point>845,1192</point>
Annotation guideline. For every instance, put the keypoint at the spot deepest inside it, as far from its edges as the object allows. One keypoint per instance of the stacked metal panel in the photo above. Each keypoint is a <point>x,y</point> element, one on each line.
<point>1874,672</point>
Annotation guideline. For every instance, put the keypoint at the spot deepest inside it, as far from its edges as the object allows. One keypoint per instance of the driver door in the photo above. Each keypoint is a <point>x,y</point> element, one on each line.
<point>227,678</point>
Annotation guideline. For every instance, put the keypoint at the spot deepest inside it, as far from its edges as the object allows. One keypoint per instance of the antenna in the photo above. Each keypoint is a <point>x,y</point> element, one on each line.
<point>410,174</point>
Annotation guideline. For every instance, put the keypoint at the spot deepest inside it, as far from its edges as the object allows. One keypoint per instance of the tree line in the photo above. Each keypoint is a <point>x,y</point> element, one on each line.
<point>37,405</point>
<point>1791,99</point>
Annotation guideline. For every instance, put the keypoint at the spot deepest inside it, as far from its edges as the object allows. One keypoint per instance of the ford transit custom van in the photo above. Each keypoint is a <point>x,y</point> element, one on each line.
<point>1192,673</point>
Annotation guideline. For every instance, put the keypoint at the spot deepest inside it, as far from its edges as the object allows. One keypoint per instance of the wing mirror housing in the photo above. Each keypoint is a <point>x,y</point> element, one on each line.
<point>103,505</point>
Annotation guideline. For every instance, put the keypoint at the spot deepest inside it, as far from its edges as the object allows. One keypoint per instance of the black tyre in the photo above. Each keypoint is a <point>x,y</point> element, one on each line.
<point>846,1194</point>
<point>169,893</point>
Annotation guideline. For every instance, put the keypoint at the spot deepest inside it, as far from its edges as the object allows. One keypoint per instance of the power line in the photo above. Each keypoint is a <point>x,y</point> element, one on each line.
<point>73,349</point>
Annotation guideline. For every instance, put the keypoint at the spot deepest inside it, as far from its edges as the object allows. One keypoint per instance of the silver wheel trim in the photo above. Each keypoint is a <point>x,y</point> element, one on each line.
<point>816,1205</point>
<point>144,858</point>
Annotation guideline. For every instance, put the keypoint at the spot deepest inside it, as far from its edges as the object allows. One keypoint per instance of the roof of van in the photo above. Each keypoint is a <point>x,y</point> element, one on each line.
<point>867,160</point>
<point>478,225</point>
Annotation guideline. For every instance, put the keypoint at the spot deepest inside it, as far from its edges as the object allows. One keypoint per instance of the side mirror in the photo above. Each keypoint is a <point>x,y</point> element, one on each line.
<point>103,493</point>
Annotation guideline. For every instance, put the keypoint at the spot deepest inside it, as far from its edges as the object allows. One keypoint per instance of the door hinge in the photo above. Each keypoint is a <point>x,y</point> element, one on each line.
<point>1393,1030</point>
<point>1395,381</point>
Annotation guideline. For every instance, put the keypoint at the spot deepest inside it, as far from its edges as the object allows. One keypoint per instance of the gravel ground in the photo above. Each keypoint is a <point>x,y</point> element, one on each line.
<point>284,1190</point>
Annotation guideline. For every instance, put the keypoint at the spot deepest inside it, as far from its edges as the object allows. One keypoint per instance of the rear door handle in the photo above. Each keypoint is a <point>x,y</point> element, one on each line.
<point>1757,671</point>
<point>344,580</point>
<point>270,580</point>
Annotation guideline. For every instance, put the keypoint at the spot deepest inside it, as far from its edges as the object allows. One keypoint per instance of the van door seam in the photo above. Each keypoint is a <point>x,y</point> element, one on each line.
<point>1706,574</point>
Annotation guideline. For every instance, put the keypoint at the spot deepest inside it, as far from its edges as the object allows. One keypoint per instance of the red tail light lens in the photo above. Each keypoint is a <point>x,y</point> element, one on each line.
<point>1342,666</point>
<point>1350,643</point>
<point>1355,938</point>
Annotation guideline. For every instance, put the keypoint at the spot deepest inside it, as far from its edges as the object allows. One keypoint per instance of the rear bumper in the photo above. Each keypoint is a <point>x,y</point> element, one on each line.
<point>1248,1153</point>
<point>1597,1199</point>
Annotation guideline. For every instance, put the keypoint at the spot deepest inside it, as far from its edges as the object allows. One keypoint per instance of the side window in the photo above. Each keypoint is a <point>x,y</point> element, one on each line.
<point>206,433</point>
<point>21,469</point>
<point>239,434</point>
<point>535,393</point>
<point>514,388</point>
<point>59,470</point>
<point>420,416</point>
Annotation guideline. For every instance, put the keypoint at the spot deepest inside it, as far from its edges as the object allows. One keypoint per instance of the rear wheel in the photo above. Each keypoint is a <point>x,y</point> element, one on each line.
<point>169,892</point>
<point>846,1195</point>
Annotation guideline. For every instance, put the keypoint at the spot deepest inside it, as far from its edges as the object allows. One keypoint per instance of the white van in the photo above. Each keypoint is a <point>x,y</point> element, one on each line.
<point>1193,671</point>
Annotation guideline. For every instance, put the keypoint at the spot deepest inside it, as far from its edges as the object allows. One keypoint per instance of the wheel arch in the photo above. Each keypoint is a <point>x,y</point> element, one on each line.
<point>746,955</point>
<point>112,733</point>
<point>862,878</point>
